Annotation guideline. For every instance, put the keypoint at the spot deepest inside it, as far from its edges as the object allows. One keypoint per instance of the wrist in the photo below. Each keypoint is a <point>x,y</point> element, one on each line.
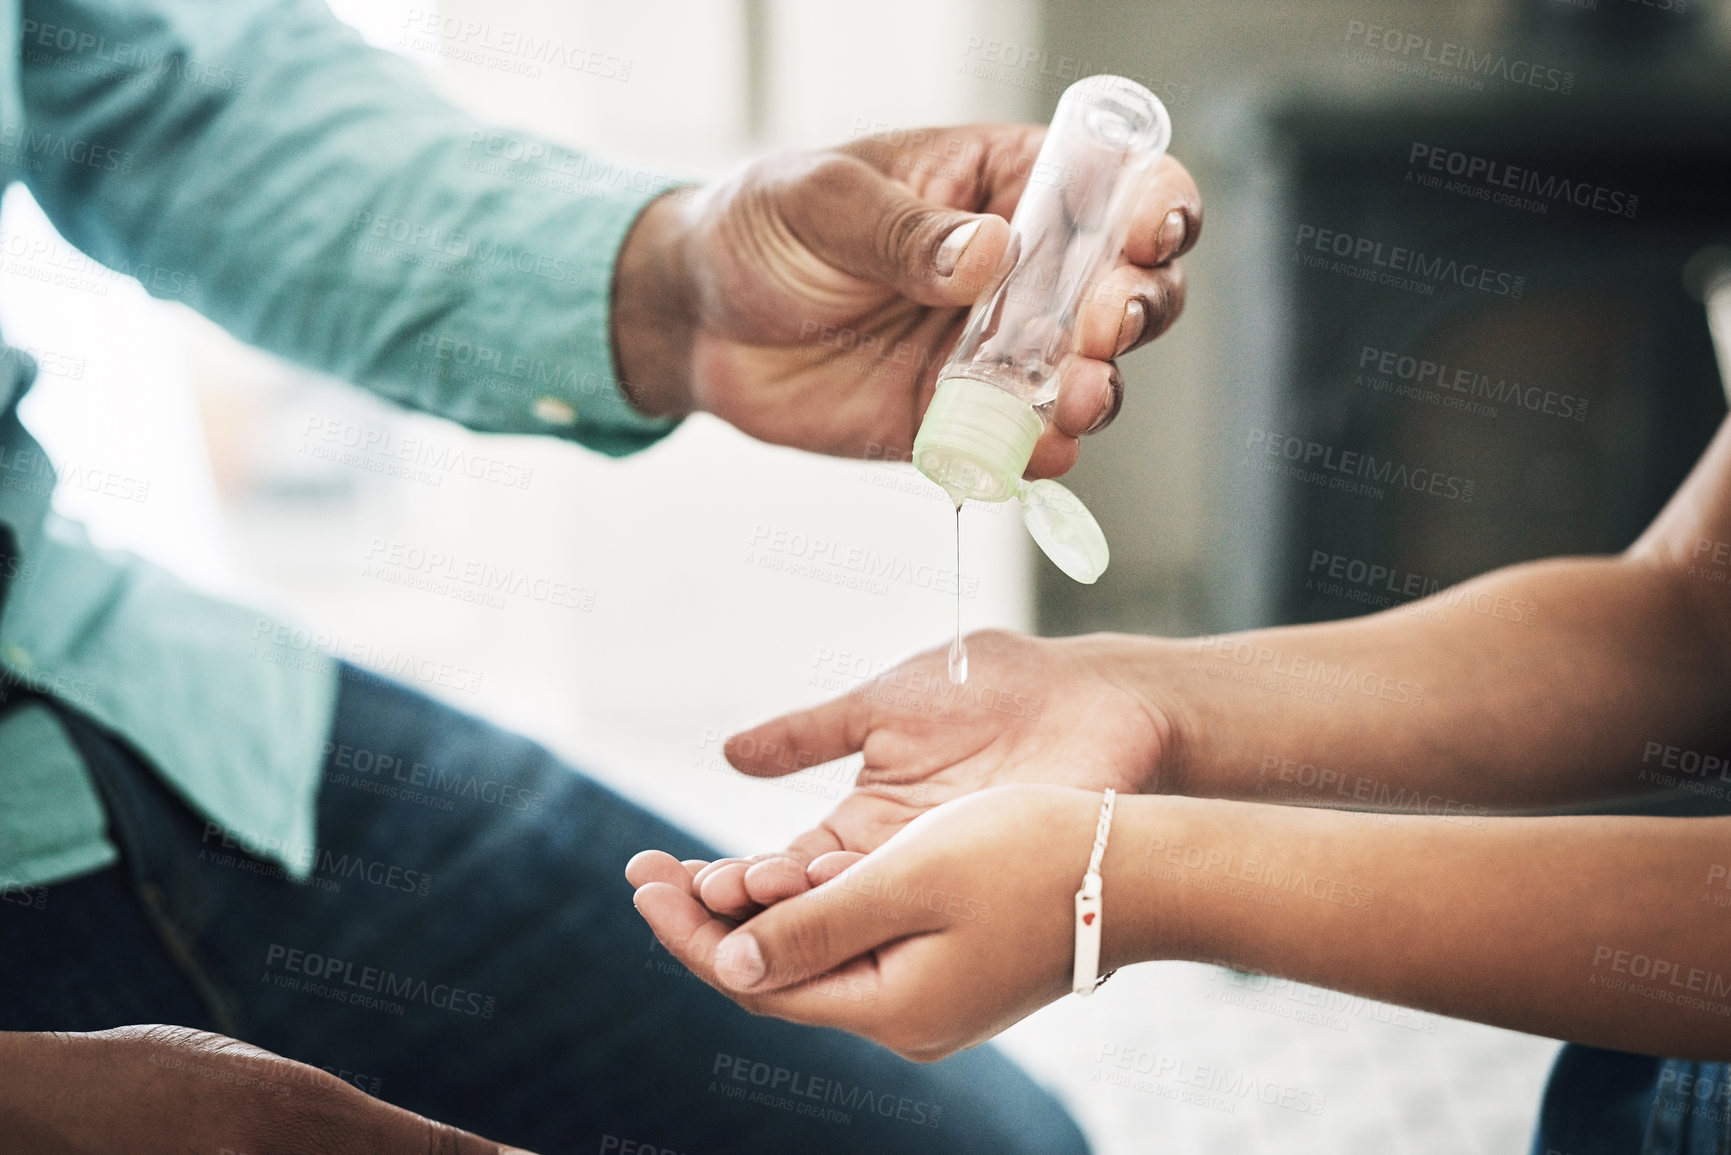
<point>1147,916</point>
<point>1151,672</point>
<point>653,318</point>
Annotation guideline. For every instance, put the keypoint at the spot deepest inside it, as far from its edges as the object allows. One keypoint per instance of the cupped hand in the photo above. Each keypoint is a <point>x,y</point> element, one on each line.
<point>954,929</point>
<point>810,298</point>
<point>1053,711</point>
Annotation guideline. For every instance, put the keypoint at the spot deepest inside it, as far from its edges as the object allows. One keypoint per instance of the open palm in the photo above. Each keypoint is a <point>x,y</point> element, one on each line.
<point>1033,711</point>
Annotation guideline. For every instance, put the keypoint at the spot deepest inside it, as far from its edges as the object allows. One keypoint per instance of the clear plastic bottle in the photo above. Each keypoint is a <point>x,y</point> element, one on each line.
<point>996,391</point>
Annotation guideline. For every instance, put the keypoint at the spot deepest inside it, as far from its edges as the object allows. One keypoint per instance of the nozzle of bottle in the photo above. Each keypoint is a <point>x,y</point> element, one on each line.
<point>996,391</point>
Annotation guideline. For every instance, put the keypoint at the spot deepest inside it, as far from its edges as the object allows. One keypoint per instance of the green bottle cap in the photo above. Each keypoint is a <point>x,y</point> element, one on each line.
<point>1064,530</point>
<point>975,442</point>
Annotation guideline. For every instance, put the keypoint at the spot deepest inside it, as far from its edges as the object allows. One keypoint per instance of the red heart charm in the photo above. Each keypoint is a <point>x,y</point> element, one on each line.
<point>1088,919</point>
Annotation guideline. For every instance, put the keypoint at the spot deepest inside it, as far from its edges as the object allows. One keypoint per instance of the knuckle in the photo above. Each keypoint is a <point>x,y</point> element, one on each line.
<point>439,1139</point>
<point>319,1120</point>
<point>808,945</point>
<point>901,235</point>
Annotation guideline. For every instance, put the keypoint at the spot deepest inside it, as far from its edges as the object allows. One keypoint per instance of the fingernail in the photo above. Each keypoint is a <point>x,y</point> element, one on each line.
<point>739,962</point>
<point>1130,328</point>
<point>950,252</point>
<point>1115,384</point>
<point>1171,236</point>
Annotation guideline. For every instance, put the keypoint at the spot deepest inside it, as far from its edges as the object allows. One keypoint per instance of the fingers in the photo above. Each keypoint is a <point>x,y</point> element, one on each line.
<point>797,940</point>
<point>722,889</point>
<point>657,866</point>
<point>773,880</point>
<point>829,865</point>
<point>688,930</point>
<point>1167,217</point>
<point>1054,453</point>
<point>1089,395</point>
<point>802,739</point>
<point>875,228</point>
<point>1127,309</point>
<point>845,998</point>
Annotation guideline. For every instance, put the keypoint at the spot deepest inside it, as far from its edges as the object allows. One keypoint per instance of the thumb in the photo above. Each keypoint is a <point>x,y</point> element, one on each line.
<point>801,740</point>
<point>869,226</point>
<point>806,937</point>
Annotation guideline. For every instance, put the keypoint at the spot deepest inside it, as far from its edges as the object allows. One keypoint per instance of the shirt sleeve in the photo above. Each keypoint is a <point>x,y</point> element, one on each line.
<point>316,197</point>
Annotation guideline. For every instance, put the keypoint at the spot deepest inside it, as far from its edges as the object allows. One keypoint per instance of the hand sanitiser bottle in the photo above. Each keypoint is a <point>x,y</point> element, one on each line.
<point>996,391</point>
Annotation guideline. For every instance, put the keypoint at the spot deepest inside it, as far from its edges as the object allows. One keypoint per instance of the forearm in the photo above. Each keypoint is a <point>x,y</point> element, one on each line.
<point>317,198</point>
<point>1625,947</point>
<point>1532,686</point>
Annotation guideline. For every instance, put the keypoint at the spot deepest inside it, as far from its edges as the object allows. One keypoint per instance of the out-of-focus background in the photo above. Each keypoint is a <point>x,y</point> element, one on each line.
<point>710,573</point>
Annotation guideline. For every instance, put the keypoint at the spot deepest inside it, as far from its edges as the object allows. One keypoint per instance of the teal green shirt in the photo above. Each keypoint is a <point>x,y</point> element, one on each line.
<point>257,161</point>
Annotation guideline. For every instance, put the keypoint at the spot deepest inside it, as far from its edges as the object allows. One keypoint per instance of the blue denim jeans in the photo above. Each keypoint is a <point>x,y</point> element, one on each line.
<point>467,948</point>
<point>1608,1103</point>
